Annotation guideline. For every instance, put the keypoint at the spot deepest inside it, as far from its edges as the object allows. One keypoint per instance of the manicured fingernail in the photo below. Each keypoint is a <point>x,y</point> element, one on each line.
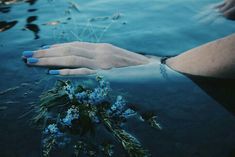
<point>54,72</point>
<point>32,60</point>
<point>45,47</point>
<point>28,54</point>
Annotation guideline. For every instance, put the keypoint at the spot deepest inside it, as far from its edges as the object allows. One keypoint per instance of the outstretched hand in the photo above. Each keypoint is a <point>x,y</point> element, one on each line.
<point>82,58</point>
<point>227,8</point>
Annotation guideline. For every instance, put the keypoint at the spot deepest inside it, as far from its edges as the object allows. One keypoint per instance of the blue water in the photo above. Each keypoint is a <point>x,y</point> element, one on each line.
<point>195,122</point>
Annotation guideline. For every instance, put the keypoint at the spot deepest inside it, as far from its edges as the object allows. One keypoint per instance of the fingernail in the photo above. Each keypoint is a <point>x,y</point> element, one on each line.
<point>28,54</point>
<point>32,60</point>
<point>54,72</point>
<point>45,47</point>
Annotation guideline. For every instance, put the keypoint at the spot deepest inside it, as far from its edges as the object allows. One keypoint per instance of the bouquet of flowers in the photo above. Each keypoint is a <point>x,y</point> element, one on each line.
<point>70,113</point>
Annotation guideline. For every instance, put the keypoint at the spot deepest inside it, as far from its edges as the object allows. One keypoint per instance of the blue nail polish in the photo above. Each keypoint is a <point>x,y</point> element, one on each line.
<point>28,54</point>
<point>32,60</point>
<point>54,72</point>
<point>45,47</point>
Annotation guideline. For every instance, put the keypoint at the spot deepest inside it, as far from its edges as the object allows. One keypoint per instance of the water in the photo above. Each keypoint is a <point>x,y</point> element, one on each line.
<point>197,115</point>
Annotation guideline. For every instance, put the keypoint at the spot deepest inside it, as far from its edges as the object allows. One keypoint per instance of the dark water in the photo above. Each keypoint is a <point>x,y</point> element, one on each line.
<point>197,114</point>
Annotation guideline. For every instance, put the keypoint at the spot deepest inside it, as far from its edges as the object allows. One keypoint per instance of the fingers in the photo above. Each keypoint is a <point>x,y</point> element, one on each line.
<point>230,14</point>
<point>220,5</point>
<point>80,71</point>
<point>63,51</point>
<point>66,61</point>
<point>227,5</point>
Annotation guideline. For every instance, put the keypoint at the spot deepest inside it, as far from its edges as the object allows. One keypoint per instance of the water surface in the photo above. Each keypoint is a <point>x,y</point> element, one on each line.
<point>197,119</point>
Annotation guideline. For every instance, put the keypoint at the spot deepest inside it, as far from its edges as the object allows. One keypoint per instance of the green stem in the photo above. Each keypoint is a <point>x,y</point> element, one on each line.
<point>129,143</point>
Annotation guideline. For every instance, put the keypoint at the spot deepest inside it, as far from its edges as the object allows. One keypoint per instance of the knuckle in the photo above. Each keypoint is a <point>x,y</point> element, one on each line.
<point>41,53</point>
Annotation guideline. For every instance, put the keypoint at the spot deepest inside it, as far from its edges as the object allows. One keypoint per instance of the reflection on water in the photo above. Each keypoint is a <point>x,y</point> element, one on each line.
<point>31,2</point>
<point>32,10</point>
<point>31,19</point>
<point>194,124</point>
<point>33,27</point>
<point>8,2</point>
<point>4,9</point>
<point>6,25</point>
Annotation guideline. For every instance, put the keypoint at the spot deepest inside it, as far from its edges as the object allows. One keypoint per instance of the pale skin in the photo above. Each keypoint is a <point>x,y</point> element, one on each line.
<point>214,59</point>
<point>82,58</point>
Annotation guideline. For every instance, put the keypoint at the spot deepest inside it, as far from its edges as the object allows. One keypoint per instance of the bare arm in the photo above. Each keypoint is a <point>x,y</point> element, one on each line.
<point>214,59</point>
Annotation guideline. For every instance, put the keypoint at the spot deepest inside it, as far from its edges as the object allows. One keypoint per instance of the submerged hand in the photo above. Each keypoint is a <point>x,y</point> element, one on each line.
<point>227,8</point>
<point>82,58</point>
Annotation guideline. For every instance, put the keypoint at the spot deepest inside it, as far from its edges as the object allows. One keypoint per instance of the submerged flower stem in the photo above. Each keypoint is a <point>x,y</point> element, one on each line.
<point>48,147</point>
<point>129,142</point>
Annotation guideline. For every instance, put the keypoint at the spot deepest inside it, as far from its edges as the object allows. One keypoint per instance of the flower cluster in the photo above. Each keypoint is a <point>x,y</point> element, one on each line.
<point>95,97</point>
<point>52,134</point>
<point>52,129</point>
<point>75,110</point>
<point>128,113</point>
<point>119,108</point>
<point>118,105</point>
<point>69,90</point>
<point>72,113</point>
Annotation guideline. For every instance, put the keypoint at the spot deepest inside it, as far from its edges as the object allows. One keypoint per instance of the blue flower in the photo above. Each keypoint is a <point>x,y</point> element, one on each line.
<point>118,107</point>
<point>128,113</point>
<point>53,132</point>
<point>69,90</point>
<point>52,129</point>
<point>82,97</point>
<point>119,104</point>
<point>104,84</point>
<point>97,96</point>
<point>72,113</point>
<point>94,117</point>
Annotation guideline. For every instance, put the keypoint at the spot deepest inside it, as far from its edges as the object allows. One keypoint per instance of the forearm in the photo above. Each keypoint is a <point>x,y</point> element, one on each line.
<point>214,59</point>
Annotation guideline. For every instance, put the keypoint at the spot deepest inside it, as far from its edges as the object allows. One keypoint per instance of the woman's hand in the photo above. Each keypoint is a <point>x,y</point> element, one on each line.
<point>82,58</point>
<point>227,8</point>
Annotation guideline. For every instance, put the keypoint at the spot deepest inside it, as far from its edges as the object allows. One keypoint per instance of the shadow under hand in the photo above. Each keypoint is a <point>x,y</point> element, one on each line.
<point>222,90</point>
